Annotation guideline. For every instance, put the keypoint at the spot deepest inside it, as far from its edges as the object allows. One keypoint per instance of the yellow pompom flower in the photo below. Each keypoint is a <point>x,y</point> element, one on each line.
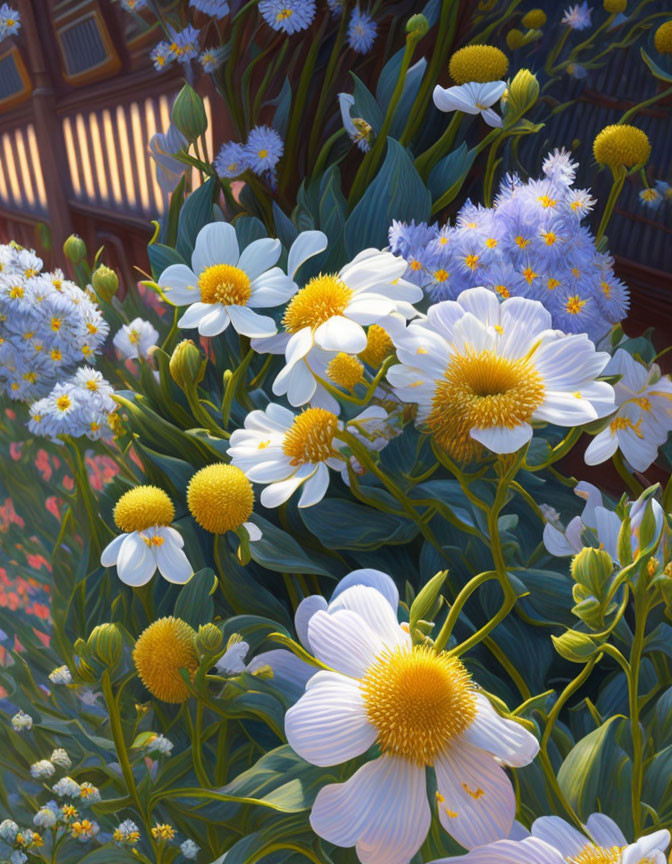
<point>220,498</point>
<point>162,649</point>
<point>534,19</point>
<point>479,63</point>
<point>379,346</point>
<point>345,371</point>
<point>621,145</point>
<point>613,7</point>
<point>141,508</point>
<point>663,38</point>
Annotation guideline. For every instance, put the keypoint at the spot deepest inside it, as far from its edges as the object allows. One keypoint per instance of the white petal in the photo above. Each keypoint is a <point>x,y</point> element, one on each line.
<point>492,118</point>
<point>307,244</point>
<point>382,809</point>
<point>290,674</point>
<point>602,447</point>
<point>608,527</point>
<point>109,555</point>
<point>383,583</point>
<point>254,531</point>
<point>278,493</point>
<point>651,846</point>
<point>259,257</point>
<point>341,334</point>
<point>193,316</point>
<point>271,289</point>
<point>604,831</point>
<point>301,385</point>
<point>556,542</point>
<point>215,322</point>
<point>315,488</point>
<point>180,284</point>
<point>250,323</point>
<point>373,608</point>
<point>499,439</point>
<point>504,738</point>
<point>304,612</point>
<point>135,562</point>
<point>479,802</point>
<point>529,850</point>
<point>343,641</point>
<point>298,346</point>
<point>483,305</point>
<point>269,472</point>
<point>329,725</point>
<point>216,244</point>
<point>173,563</point>
<point>559,834</point>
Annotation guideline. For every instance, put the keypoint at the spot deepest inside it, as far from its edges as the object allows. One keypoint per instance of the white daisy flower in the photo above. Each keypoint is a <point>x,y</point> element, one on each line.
<point>224,286</point>
<point>144,515</point>
<point>644,416</point>
<point>21,721</point>
<point>287,450</point>
<point>472,98</point>
<point>43,768</point>
<point>481,372</point>
<point>329,314</point>
<point>60,675</point>
<point>422,710</point>
<point>608,844</point>
<point>60,757</point>
<point>135,339</point>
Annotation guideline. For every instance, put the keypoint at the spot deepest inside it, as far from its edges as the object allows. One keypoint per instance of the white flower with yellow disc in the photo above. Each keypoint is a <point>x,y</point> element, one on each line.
<point>144,515</point>
<point>481,372</point>
<point>422,710</point>
<point>329,314</point>
<point>287,450</point>
<point>224,285</point>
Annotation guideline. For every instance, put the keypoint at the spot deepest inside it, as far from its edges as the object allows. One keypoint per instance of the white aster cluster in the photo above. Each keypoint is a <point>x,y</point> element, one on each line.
<point>79,406</point>
<point>48,326</point>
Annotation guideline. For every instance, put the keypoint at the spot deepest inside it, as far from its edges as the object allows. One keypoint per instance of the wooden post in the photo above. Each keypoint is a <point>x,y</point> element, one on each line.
<point>48,132</point>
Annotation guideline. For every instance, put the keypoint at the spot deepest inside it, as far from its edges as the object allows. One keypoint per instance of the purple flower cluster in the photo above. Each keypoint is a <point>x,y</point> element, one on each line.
<point>531,243</point>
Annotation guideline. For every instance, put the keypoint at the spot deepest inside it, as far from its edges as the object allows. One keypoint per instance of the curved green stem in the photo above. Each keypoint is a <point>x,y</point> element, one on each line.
<point>475,582</point>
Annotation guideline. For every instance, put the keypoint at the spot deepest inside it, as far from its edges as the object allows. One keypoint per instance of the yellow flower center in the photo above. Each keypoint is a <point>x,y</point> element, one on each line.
<point>620,145</point>
<point>220,498</point>
<point>503,291</point>
<point>591,854</point>
<point>552,284</point>
<point>56,324</point>
<point>321,299</point>
<point>441,275</point>
<point>549,236</point>
<point>546,201</point>
<point>472,261</point>
<point>619,423</point>
<point>63,402</point>
<point>163,832</point>
<point>165,647</point>
<point>529,275</point>
<point>575,304</point>
<point>143,507</point>
<point>479,63</point>
<point>224,284</point>
<point>491,243</point>
<point>378,346</point>
<point>522,241</point>
<point>134,337</point>
<point>663,38</point>
<point>16,292</point>
<point>418,701</point>
<point>482,391</point>
<point>310,438</point>
<point>345,370</point>
<point>642,402</point>
<point>283,14</point>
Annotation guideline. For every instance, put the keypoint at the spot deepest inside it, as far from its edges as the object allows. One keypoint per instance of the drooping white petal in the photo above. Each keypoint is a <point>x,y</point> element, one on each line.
<point>301,385</point>
<point>508,740</point>
<point>173,564</point>
<point>215,321</point>
<point>329,724</point>
<point>253,531</point>
<point>307,244</point>
<point>216,243</point>
<point>259,257</point>
<point>314,489</point>
<point>382,810</point>
<point>304,612</point>
<point>478,803</point>
<point>109,555</point>
<point>180,284</point>
<point>602,447</point>
<point>500,439</point>
<point>343,641</point>
<point>290,674</point>
<point>341,334</point>
<point>249,323</point>
<point>135,561</point>
<point>193,316</point>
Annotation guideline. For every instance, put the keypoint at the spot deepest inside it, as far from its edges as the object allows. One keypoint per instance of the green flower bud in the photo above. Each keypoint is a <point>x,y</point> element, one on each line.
<point>105,644</point>
<point>523,91</point>
<point>74,249</point>
<point>592,567</point>
<point>188,113</point>
<point>105,283</point>
<point>187,366</point>
<point>209,639</point>
<point>417,24</point>
<point>515,38</point>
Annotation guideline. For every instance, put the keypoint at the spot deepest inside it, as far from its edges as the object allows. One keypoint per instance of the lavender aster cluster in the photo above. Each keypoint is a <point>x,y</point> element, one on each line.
<point>48,325</point>
<point>260,154</point>
<point>288,16</point>
<point>531,243</point>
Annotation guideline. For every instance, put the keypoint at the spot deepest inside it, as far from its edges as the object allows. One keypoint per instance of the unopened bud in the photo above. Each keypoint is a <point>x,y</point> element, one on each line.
<point>592,566</point>
<point>209,639</point>
<point>417,24</point>
<point>105,643</point>
<point>186,366</point>
<point>105,282</point>
<point>74,249</point>
<point>652,566</point>
<point>523,91</point>
<point>515,39</point>
<point>188,113</point>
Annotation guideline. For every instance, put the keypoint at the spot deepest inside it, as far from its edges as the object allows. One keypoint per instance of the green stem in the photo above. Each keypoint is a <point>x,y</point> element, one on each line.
<point>427,160</point>
<point>637,108</point>
<point>636,652</point>
<point>324,152</point>
<point>475,582</point>
<point>635,488</point>
<point>619,180</point>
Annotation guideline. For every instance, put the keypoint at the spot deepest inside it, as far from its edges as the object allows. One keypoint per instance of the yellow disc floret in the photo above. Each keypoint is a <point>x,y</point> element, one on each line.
<point>317,302</point>
<point>220,498</point>
<point>591,854</point>
<point>479,63</point>
<point>663,38</point>
<point>482,390</point>
<point>418,701</point>
<point>165,647</point>
<point>345,370</point>
<point>621,145</point>
<point>534,19</point>
<point>143,507</point>
<point>310,438</point>
<point>379,346</point>
<point>225,284</point>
